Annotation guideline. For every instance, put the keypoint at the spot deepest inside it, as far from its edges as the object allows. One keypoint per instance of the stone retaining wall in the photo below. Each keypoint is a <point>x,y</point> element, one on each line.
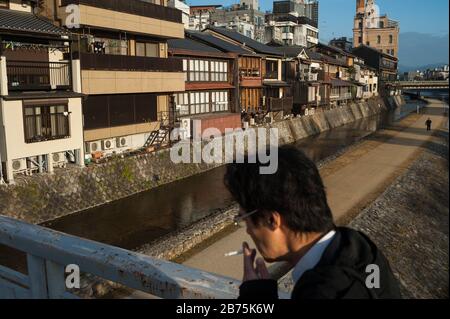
<point>45,197</point>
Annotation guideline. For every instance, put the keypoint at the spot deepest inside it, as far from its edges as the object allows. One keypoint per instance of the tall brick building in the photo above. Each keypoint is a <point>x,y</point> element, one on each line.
<point>375,30</point>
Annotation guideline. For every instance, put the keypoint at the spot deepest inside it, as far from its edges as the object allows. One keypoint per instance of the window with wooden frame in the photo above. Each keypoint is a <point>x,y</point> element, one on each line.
<point>219,101</point>
<point>46,122</point>
<point>249,67</point>
<point>199,70</point>
<point>219,71</point>
<point>182,103</point>
<point>147,49</point>
<point>102,111</point>
<point>271,70</point>
<point>200,102</point>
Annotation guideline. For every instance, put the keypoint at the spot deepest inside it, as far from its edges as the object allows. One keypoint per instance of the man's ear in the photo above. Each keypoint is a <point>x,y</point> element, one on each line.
<point>274,221</point>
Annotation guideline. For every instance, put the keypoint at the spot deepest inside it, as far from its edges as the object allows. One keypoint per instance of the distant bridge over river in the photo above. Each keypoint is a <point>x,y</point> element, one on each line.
<point>418,85</point>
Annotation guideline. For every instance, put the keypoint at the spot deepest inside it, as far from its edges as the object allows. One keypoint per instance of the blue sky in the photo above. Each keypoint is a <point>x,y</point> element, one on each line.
<point>336,16</point>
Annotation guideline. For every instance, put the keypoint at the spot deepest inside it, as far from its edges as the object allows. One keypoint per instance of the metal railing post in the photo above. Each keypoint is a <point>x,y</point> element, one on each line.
<point>38,277</point>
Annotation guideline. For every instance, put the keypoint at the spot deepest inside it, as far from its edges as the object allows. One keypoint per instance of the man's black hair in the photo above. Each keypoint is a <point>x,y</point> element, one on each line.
<point>296,191</point>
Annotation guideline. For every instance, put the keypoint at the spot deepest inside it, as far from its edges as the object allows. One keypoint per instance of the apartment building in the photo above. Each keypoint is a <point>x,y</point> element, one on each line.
<point>40,94</point>
<point>339,70</point>
<point>293,23</point>
<point>366,79</point>
<point>200,16</point>
<point>211,97</point>
<point>126,74</point>
<point>244,18</point>
<point>261,82</point>
<point>385,64</point>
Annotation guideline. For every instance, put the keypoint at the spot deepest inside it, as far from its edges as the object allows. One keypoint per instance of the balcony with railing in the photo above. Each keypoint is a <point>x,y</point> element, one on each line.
<point>308,77</point>
<point>280,104</point>
<point>111,62</point>
<point>249,72</point>
<point>272,75</point>
<point>135,7</point>
<point>41,76</point>
<point>341,96</point>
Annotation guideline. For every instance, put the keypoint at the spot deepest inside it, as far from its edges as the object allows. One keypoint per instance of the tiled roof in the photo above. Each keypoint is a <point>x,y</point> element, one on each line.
<point>335,49</point>
<point>253,44</point>
<point>363,46</point>
<point>220,44</point>
<point>191,45</point>
<point>25,22</point>
<point>290,51</point>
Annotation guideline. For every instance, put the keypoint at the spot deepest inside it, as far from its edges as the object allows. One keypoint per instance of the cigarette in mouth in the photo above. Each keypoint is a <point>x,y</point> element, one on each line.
<point>234,253</point>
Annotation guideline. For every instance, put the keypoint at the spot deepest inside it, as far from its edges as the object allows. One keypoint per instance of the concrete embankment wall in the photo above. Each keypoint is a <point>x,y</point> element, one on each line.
<point>46,197</point>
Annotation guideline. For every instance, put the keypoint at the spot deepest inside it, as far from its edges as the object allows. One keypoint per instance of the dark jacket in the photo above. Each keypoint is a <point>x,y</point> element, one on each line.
<point>340,273</point>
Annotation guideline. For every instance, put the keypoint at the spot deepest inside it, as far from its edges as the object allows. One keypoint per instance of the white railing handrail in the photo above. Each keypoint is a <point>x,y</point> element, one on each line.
<point>49,252</point>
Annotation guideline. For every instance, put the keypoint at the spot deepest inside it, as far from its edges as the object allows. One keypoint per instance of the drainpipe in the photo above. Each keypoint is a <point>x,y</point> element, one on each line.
<point>2,181</point>
<point>3,91</point>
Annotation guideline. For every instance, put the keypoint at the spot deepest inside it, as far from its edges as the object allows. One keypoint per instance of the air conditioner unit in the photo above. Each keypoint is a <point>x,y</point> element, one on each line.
<point>92,147</point>
<point>19,165</point>
<point>123,141</point>
<point>108,144</point>
<point>186,128</point>
<point>59,159</point>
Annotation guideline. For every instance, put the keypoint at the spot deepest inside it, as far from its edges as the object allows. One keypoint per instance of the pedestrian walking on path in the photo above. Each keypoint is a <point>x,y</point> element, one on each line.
<point>428,124</point>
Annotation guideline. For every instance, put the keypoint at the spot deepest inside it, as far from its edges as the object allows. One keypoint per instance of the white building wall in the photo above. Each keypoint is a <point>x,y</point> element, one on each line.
<point>184,8</point>
<point>19,5</point>
<point>14,133</point>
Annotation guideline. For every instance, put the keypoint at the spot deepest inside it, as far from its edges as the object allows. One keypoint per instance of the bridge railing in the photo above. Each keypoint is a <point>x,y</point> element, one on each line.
<point>419,84</point>
<point>49,252</point>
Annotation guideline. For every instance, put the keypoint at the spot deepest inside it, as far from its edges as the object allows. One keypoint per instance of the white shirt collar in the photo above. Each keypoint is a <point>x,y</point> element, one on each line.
<point>312,256</point>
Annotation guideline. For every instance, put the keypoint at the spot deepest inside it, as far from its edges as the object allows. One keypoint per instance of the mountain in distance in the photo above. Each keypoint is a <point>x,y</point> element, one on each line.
<point>403,68</point>
<point>420,51</point>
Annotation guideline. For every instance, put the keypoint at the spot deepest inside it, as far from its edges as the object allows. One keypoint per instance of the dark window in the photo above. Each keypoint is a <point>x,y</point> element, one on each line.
<point>378,39</point>
<point>121,110</point>
<point>4,3</point>
<point>95,111</point>
<point>43,123</point>
<point>391,38</point>
<point>271,69</point>
<point>101,111</point>
<point>146,107</point>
